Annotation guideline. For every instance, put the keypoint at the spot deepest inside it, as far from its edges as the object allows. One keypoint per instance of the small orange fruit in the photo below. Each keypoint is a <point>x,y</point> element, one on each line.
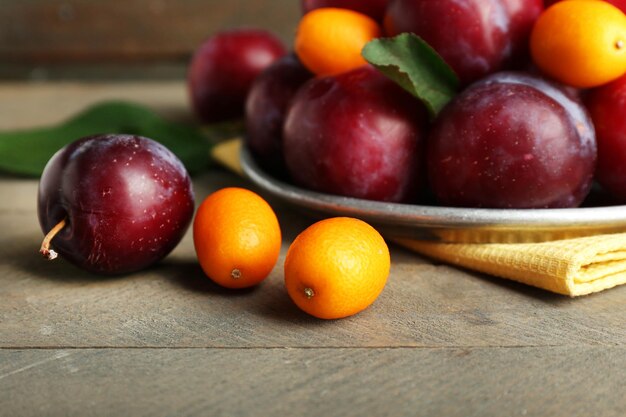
<point>237,237</point>
<point>580,42</point>
<point>336,267</point>
<point>329,40</point>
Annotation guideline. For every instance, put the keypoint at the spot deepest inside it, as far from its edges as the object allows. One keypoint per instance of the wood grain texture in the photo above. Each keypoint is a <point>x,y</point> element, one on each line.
<point>54,304</point>
<point>62,31</point>
<point>36,104</point>
<point>561,381</point>
<point>124,39</point>
<point>439,341</point>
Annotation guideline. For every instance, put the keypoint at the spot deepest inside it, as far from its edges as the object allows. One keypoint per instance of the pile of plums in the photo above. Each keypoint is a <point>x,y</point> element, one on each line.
<point>509,139</point>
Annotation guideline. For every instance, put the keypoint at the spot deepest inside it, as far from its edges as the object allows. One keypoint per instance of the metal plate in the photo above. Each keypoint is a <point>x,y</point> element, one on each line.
<point>446,224</point>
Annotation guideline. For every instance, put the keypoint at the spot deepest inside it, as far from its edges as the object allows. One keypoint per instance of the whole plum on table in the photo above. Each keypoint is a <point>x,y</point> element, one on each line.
<point>475,37</point>
<point>356,134</point>
<point>223,68</point>
<point>512,141</point>
<point>607,106</point>
<point>117,203</point>
<point>266,107</point>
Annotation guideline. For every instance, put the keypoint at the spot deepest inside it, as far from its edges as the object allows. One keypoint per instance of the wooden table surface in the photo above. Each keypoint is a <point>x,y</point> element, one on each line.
<point>439,341</point>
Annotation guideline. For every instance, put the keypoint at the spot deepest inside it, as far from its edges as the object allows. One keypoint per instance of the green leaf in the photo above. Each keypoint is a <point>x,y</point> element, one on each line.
<point>416,67</point>
<point>26,152</point>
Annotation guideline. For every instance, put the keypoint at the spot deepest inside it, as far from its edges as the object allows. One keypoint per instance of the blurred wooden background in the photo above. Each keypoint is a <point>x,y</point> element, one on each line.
<point>56,39</point>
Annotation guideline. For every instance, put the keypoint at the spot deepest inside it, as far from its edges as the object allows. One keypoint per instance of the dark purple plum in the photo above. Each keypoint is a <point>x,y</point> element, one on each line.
<point>373,8</point>
<point>475,37</point>
<point>607,106</point>
<point>356,134</point>
<point>266,107</point>
<point>223,69</point>
<point>126,201</point>
<point>512,141</point>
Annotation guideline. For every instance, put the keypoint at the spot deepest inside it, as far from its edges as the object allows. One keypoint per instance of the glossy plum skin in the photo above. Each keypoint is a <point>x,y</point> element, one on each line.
<point>127,199</point>
<point>512,141</point>
<point>266,107</point>
<point>372,8</point>
<point>475,37</point>
<point>356,134</point>
<point>223,68</point>
<point>607,106</point>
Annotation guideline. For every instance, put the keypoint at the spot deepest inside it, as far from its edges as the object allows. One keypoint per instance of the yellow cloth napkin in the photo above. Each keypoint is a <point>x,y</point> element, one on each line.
<point>571,266</point>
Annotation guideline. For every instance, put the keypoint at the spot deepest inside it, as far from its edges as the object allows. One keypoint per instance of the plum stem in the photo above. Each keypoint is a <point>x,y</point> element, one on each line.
<point>45,250</point>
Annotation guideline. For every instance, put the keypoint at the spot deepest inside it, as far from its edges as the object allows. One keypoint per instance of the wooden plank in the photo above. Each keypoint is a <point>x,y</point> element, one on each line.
<point>425,303</point>
<point>90,72</point>
<point>24,105</point>
<point>44,31</point>
<point>558,381</point>
<point>54,304</point>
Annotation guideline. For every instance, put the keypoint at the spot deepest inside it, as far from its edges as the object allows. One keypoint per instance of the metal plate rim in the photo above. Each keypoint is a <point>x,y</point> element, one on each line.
<point>478,220</point>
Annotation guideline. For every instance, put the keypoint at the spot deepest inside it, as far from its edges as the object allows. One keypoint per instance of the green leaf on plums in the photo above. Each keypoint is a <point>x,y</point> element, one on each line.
<point>414,65</point>
<point>26,152</point>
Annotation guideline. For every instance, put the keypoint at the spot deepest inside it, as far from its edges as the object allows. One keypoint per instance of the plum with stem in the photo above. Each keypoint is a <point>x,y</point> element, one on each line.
<point>114,204</point>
